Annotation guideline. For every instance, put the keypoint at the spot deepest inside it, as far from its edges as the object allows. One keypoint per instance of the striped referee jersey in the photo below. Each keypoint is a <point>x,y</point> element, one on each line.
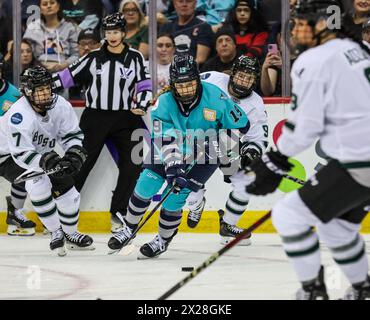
<point>112,80</point>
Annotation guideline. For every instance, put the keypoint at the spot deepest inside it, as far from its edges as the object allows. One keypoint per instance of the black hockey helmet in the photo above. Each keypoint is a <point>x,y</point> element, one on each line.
<point>114,21</point>
<point>36,77</point>
<point>249,66</point>
<point>313,10</point>
<point>184,69</point>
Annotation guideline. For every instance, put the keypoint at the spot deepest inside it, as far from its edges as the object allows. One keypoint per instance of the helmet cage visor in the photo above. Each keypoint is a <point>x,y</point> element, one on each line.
<point>42,96</point>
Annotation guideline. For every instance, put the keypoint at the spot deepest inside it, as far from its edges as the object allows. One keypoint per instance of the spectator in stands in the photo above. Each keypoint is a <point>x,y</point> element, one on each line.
<point>165,53</point>
<point>215,11</point>
<point>136,29</point>
<point>6,25</point>
<point>270,82</point>
<point>191,34</point>
<point>53,39</point>
<point>249,27</point>
<point>366,31</point>
<point>226,52</point>
<point>88,40</point>
<point>85,13</point>
<point>361,13</point>
<point>27,59</point>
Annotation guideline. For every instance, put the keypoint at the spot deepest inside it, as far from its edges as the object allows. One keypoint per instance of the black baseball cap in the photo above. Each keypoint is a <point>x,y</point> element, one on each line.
<point>89,34</point>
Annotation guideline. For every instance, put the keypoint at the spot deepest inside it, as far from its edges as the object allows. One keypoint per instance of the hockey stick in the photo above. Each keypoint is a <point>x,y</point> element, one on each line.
<point>220,154</point>
<point>219,253</point>
<point>214,257</point>
<point>294,179</point>
<point>29,175</point>
<point>146,218</point>
<point>286,176</point>
<point>155,209</point>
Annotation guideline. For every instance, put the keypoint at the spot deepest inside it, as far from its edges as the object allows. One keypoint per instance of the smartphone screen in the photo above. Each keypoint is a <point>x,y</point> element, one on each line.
<point>273,48</point>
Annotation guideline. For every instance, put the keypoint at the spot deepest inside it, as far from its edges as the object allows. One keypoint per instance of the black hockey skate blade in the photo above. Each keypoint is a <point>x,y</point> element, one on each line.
<point>187,269</point>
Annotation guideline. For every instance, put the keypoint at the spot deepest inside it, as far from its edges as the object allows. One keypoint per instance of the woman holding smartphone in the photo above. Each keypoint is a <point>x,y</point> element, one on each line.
<point>271,71</point>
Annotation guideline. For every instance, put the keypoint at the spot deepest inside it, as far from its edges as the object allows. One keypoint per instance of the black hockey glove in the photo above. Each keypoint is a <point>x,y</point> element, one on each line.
<point>73,159</point>
<point>248,153</point>
<point>51,160</point>
<point>269,170</point>
<point>176,175</point>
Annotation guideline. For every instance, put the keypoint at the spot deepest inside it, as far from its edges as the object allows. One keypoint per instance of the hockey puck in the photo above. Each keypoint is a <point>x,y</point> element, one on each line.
<point>187,269</point>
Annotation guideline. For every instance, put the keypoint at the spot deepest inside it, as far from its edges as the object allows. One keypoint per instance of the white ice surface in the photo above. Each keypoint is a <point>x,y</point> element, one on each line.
<point>29,270</point>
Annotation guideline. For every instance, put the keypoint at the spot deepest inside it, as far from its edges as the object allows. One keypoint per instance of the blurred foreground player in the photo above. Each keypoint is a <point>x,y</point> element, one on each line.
<point>29,132</point>
<point>331,94</point>
<point>239,86</point>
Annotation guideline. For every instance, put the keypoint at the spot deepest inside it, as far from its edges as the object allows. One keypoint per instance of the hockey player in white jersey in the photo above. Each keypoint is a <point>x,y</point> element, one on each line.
<point>29,132</point>
<point>239,86</point>
<point>331,94</point>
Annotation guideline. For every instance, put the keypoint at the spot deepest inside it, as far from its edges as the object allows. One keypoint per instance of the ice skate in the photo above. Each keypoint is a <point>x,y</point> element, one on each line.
<point>116,222</point>
<point>120,239</point>
<point>155,247</point>
<point>358,291</point>
<point>314,290</point>
<point>229,232</point>
<point>57,242</point>
<point>18,224</point>
<point>79,241</point>
<point>195,215</point>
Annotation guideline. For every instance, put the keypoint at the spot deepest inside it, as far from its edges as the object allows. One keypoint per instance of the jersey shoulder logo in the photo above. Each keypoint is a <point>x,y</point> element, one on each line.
<point>223,96</point>
<point>300,72</point>
<point>16,118</point>
<point>204,76</point>
<point>209,115</point>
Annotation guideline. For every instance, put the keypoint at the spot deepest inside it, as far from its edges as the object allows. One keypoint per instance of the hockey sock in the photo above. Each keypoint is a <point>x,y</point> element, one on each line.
<point>136,209</point>
<point>68,206</point>
<point>18,195</point>
<point>46,209</point>
<point>194,199</point>
<point>169,222</point>
<point>303,250</point>
<point>235,207</point>
<point>352,260</point>
<point>39,191</point>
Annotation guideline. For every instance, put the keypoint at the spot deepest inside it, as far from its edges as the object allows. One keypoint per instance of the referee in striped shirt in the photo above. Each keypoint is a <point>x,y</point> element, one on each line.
<point>118,94</point>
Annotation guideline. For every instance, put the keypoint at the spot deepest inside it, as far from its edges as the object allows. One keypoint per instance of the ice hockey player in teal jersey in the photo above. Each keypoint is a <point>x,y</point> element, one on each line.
<point>17,222</point>
<point>191,113</point>
<point>8,93</point>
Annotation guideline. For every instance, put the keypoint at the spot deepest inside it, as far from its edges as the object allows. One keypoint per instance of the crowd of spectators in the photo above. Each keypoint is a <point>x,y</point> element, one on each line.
<point>57,32</point>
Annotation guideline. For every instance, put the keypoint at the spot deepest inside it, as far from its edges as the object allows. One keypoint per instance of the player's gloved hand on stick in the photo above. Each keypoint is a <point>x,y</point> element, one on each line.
<point>269,170</point>
<point>176,175</point>
<point>248,153</point>
<point>73,159</point>
<point>51,160</point>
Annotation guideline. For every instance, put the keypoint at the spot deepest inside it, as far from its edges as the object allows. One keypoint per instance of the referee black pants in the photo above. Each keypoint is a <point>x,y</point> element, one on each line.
<point>100,125</point>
